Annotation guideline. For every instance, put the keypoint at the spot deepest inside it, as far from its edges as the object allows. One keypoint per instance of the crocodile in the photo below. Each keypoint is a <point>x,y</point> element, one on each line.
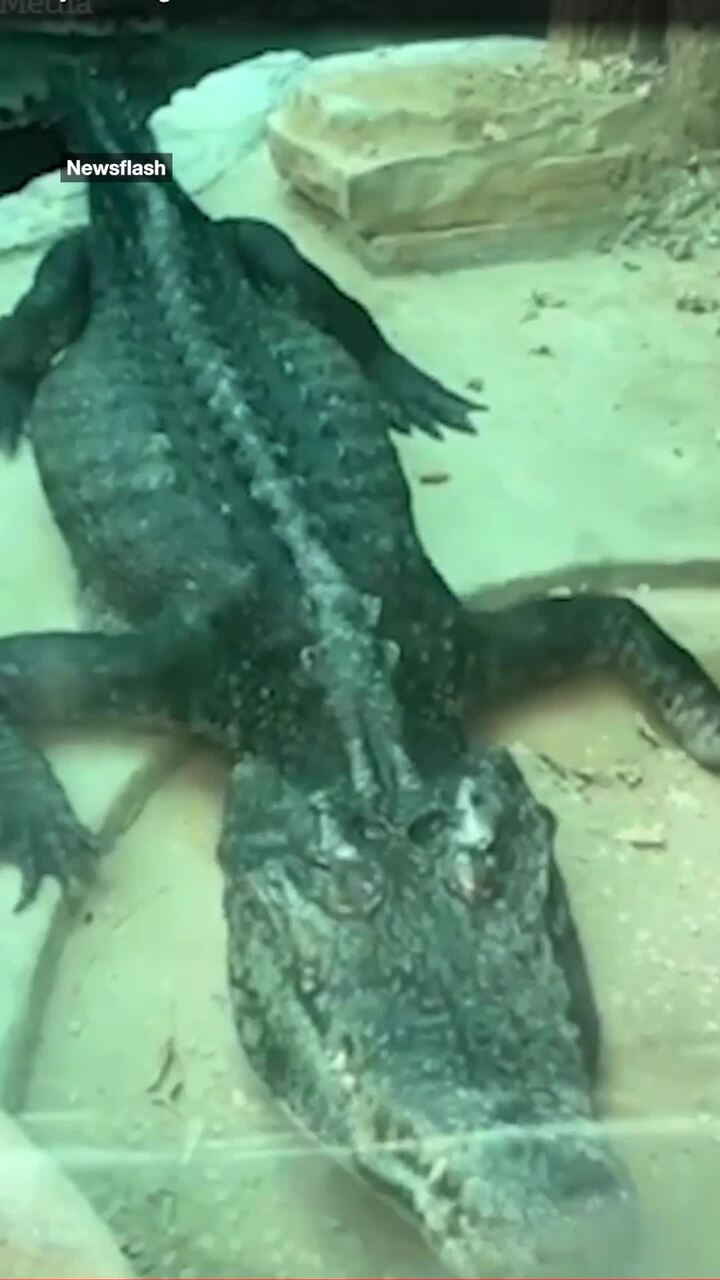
<point>405,972</point>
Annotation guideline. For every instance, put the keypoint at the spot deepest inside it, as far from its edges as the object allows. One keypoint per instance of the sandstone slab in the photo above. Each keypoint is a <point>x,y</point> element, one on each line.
<point>433,153</point>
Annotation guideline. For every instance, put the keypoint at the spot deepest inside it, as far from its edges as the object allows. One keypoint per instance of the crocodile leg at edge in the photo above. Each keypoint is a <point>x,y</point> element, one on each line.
<point>516,649</point>
<point>47,318</point>
<point>62,679</point>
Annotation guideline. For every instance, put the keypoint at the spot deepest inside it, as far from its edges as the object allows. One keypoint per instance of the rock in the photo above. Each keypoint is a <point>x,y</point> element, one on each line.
<point>590,72</point>
<point>207,128</point>
<point>652,837</point>
<point>693,50</point>
<point>680,248</point>
<point>424,153</point>
<point>40,212</point>
<point>541,299</point>
<point>494,132</point>
<point>459,247</point>
<point>679,208</point>
<point>629,774</point>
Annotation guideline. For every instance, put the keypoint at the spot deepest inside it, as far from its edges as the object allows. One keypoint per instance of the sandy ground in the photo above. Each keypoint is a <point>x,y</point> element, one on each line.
<point>602,452</point>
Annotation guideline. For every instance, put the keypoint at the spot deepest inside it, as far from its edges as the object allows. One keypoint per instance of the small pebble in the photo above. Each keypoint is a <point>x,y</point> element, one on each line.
<point>647,732</point>
<point>698,304</point>
<point>542,299</point>
<point>494,132</point>
<point>680,249</point>
<point>629,774</point>
<point>644,837</point>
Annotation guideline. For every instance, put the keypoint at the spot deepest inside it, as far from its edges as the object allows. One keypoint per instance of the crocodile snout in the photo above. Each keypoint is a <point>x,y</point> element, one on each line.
<point>555,1207</point>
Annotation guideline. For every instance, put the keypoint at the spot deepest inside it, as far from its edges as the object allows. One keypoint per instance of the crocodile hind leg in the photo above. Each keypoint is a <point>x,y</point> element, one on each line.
<point>514,650</point>
<point>47,319</point>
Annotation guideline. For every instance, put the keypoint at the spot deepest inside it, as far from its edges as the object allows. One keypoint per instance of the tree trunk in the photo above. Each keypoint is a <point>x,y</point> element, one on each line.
<point>693,43</point>
<point>592,28</point>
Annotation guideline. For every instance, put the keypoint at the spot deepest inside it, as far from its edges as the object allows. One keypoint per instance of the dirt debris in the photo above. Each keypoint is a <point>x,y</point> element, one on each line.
<point>541,299</point>
<point>699,304</point>
<point>678,209</point>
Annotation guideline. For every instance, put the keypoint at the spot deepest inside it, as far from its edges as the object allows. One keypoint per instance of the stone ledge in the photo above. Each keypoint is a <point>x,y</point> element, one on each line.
<point>463,151</point>
<point>474,246</point>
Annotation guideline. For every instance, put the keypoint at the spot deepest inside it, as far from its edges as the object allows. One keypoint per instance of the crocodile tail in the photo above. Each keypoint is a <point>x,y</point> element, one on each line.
<point>97,105</point>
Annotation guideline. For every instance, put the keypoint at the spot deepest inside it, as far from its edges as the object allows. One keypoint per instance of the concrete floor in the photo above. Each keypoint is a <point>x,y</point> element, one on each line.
<point>600,457</point>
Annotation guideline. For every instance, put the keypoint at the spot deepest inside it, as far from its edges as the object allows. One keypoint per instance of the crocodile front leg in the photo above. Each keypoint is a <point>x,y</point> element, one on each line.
<point>47,319</point>
<point>514,650</point>
<point>61,679</point>
<point>277,268</point>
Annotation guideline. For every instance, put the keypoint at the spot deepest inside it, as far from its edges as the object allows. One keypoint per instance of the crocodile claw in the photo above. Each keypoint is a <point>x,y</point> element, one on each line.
<point>419,401</point>
<point>46,844</point>
<point>14,411</point>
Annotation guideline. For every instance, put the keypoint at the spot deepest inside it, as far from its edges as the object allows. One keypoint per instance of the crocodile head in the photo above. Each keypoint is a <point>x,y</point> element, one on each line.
<point>401,993</point>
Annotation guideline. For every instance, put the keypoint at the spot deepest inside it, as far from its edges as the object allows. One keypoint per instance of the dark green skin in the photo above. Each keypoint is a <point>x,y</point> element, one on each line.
<point>405,971</point>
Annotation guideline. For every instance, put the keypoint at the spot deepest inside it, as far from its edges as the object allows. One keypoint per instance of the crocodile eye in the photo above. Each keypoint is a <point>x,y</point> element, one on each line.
<point>427,826</point>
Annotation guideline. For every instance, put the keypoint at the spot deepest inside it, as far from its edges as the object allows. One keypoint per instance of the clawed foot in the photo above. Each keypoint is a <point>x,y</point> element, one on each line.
<point>41,841</point>
<point>417,400</point>
<point>14,411</point>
